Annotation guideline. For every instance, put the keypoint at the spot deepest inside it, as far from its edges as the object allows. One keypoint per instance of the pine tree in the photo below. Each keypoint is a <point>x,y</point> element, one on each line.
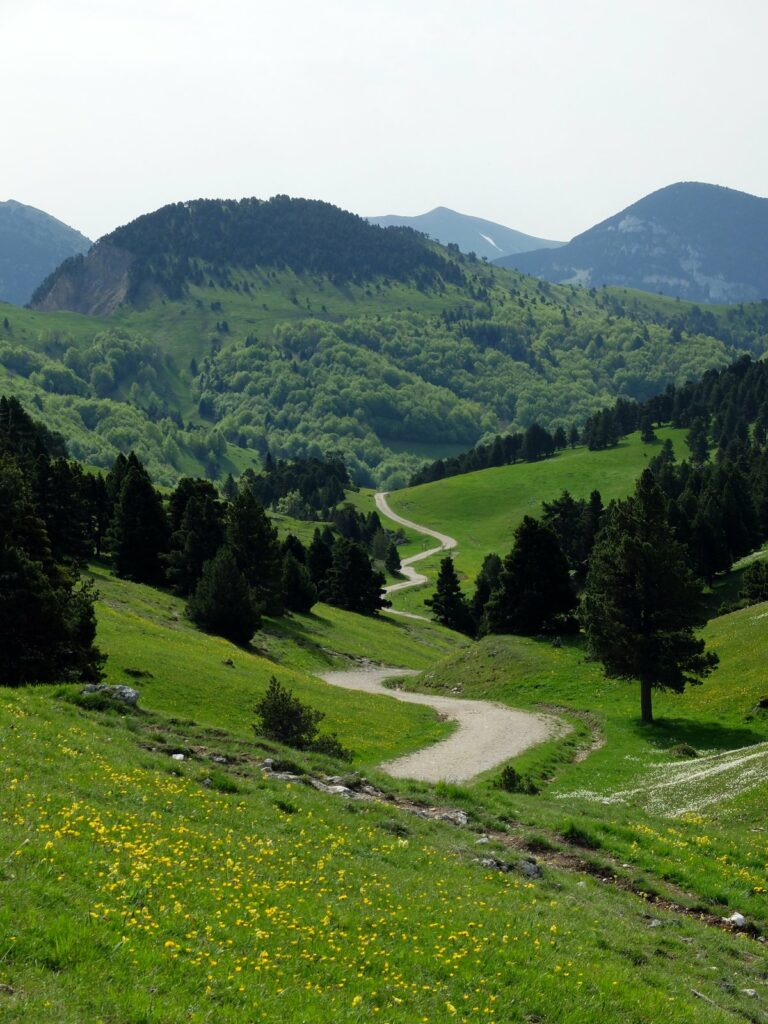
<point>223,603</point>
<point>392,559</point>
<point>254,543</point>
<point>352,583</point>
<point>487,581</point>
<point>299,591</point>
<point>47,622</point>
<point>642,602</point>
<point>319,562</point>
<point>448,604</point>
<point>534,594</point>
<point>197,540</point>
<point>138,532</point>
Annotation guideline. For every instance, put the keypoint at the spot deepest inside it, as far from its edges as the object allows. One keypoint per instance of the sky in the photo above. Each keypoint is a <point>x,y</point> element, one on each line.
<point>545,115</point>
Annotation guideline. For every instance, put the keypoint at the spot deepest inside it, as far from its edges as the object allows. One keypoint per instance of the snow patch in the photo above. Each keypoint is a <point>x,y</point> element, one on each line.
<point>490,241</point>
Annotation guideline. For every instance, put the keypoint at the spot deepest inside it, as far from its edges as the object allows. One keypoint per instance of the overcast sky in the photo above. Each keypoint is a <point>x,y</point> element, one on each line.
<point>545,115</point>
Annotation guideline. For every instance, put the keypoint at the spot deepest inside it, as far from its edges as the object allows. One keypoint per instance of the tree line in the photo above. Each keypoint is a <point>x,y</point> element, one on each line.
<point>221,553</point>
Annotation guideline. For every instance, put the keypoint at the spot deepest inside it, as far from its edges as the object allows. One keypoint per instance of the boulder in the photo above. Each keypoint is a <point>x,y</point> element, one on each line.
<point>119,693</point>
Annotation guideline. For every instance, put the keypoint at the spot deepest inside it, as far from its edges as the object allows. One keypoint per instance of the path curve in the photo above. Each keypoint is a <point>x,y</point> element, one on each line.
<point>488,733</point>
<point>413,578</point>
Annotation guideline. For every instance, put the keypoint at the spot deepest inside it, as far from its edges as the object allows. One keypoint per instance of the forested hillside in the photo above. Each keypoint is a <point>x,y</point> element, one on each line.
<point>410,351</point>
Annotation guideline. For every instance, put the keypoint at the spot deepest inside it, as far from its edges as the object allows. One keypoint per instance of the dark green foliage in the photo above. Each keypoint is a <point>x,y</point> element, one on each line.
<point>392,559</point>
<point>253,541</point>
<point>196,541</point>
<point>171,246</point>
<point>319,562</point>
<point>299,592</point>
<point>319,484</point>
<point>352,583</point>
<point>512,781</point>
<point>487,581</point>
<point>534,592</point>
<point>532,446</point>
<point>641,602</point>
<point>223,603</point>
<point>47,623</point>
<point>139,530</point>
<point>286,719</point>
<point>449,606</point>
<point>754,583</point>
<point>575,523</point>
<point>25,437</point>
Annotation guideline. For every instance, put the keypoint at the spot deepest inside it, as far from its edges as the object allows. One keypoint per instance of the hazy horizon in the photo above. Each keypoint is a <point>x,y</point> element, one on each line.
<point>544,118</point>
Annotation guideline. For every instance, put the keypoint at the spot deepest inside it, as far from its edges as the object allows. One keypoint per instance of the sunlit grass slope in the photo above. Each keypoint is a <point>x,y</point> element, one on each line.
<point>182,671</point>
<point>681,801</point>
<point>136,892</point>
<point>481,510</point>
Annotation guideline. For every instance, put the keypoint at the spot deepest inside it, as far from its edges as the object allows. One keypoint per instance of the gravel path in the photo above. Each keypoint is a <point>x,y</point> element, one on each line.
<point>413,578</point>
<point>488,734</point>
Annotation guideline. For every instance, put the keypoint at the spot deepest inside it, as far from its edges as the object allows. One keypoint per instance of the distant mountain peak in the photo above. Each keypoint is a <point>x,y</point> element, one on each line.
<point>693,240</point>
<point>472,234</point>
<point>32,244</point>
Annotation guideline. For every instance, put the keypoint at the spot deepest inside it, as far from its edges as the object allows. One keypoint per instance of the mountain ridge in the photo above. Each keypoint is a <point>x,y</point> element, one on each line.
<point>692,240</point>
<point>484,237</point>
<point>32,244</point>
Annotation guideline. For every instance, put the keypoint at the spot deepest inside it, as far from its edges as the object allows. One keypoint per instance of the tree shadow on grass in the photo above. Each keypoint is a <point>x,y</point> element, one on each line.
<point>667,733</point>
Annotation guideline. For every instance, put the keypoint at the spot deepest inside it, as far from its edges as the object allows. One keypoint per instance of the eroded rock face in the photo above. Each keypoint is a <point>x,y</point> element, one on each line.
<point>95,284</point>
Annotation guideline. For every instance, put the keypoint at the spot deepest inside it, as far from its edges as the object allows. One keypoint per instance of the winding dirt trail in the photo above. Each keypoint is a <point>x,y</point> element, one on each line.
<point>414,578</point>
<point>487,734</point>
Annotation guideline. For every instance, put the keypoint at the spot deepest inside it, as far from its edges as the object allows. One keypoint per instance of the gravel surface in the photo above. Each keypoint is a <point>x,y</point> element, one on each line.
<point>488,734</point>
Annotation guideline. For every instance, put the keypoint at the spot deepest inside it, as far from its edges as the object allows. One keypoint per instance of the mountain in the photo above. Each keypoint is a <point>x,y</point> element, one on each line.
<point>32,244</point>
<point>695,241</point>
<point>471,234</point>
<point>198,242</point>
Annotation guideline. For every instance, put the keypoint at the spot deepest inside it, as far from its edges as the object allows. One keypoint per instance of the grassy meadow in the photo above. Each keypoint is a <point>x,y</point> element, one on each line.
<point>481,510</point>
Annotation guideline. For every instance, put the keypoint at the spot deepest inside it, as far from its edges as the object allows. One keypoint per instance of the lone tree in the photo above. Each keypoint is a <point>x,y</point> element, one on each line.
<point>641,601</point>
<point>449,606</point>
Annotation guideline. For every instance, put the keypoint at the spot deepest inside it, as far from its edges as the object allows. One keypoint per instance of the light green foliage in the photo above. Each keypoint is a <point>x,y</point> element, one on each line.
<point>384,372</point>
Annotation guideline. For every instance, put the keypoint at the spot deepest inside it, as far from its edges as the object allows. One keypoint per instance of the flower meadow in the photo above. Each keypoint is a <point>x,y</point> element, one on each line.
<point>134,892</point>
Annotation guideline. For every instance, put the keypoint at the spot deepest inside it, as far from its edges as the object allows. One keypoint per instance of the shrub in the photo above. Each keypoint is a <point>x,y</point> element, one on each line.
<point>285,718</point>
<point>512,781</point>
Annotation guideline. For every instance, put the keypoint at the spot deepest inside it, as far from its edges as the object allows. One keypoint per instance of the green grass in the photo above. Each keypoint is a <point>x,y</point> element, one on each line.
<point>659,814</point>
<point>145,631</point>
<point>136,893</point>
<point>481,510</point>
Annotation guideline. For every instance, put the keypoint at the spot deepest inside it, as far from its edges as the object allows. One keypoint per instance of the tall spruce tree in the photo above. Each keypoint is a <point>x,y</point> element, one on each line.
<point>139,532</point>
<point>449,606</point>
<point>47,623</point>
<point>253,541</point>
<point>223,603</point>
<point>534,593</point>
<point>352,582</point>
<point>641,601</point>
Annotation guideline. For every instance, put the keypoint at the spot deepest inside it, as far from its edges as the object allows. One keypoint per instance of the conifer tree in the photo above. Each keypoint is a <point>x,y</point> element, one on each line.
<point>641,601</point>
<point>223,603</point>
<point>138,532</point>
<point>352,583</point>
<point>534,593</point>
<point>47,623</point>
<point>253,541</point>
<point>299,591</point>
<point>448,604</point>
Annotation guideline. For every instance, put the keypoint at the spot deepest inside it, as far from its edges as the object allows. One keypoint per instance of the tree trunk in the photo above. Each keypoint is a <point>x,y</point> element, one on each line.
<point>646,708</point>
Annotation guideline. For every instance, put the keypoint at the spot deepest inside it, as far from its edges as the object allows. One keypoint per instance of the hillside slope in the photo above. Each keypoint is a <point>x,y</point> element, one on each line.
<point>32,244</point>
<point>472,234</point>
<point>700,242</point>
